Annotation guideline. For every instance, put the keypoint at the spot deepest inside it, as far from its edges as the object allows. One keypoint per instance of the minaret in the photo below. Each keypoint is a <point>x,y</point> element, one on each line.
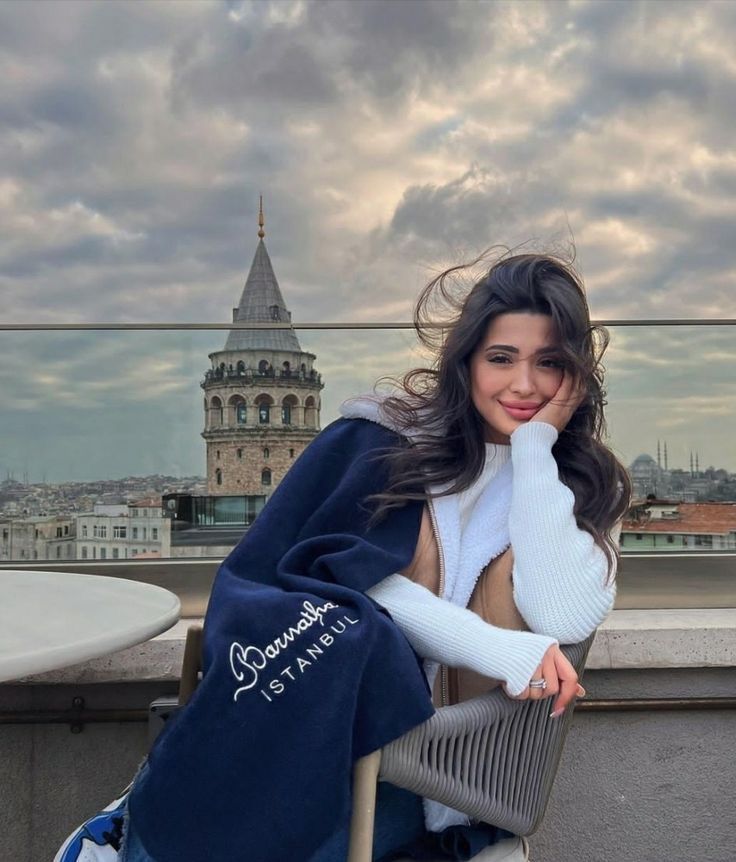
<point>659,459</point>
<point>665,455</point>
<point>262,392</point>
<point>692,473</point>
<point>697,465</point>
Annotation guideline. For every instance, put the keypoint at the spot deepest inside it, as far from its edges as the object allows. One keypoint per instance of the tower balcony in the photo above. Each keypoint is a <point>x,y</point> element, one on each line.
<point>270,376</point>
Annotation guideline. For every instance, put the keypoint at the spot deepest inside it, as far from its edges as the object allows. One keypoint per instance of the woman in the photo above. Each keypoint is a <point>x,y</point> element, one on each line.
<point>398,506</point>
<point>518,379</point>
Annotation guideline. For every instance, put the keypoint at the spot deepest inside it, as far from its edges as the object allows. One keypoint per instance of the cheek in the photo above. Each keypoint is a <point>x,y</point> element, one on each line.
<point>482,381</point>
<point>475,380</point>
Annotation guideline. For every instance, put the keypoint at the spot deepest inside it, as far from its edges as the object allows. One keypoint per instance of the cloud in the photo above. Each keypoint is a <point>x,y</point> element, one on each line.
<point>389,139</point>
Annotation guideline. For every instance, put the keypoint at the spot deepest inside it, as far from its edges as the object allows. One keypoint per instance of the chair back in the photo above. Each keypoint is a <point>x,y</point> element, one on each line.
<point>491,757</point>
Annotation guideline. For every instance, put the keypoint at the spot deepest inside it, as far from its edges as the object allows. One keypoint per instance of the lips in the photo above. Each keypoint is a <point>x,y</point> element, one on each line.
<point>520,409</point>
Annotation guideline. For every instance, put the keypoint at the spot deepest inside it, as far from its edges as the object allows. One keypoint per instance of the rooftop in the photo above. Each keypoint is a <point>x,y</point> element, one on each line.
<point>718,517</point>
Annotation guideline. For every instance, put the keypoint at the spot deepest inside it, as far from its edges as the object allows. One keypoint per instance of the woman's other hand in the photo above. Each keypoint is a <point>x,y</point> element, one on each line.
<point>559,409</point>
<point>561,678</point>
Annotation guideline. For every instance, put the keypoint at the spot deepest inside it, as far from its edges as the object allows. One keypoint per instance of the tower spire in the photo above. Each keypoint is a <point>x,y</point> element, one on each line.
<point>261,232</point>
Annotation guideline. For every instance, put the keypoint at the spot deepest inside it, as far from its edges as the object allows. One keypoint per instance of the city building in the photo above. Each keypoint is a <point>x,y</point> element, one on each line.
<point>261,394</point>
<point>123,531</point>
<point>37,538</point>
<point>672,525</point>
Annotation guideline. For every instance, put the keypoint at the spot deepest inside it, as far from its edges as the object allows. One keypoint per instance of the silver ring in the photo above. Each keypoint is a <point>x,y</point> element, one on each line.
<point>538,683</point>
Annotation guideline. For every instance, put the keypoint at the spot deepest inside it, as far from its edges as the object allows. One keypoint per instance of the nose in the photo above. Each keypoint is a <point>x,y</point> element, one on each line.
<point>523,382</point>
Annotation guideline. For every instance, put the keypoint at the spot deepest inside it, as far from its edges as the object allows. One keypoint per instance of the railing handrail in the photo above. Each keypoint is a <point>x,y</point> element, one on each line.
<point>336,325</point>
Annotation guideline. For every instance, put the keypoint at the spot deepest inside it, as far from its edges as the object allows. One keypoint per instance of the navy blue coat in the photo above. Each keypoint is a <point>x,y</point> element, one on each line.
<point>303,672</point>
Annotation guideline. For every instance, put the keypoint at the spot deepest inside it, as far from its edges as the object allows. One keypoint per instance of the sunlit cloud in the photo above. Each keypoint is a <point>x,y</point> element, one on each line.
<point>389,140</point>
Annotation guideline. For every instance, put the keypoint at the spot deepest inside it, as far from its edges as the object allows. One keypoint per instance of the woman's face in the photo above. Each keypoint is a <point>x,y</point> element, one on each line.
<point>514,371</point>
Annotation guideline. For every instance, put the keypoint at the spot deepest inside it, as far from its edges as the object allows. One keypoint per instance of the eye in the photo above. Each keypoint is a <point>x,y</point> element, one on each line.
<point>499,358</point>
<point>552,363</point>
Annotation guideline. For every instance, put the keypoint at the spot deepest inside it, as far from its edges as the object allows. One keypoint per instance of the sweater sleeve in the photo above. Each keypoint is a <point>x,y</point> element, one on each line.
<point>441,631</point>
<point>560,575</point>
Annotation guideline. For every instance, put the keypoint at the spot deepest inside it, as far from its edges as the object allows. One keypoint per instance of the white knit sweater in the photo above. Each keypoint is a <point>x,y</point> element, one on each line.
<point>559,575</point>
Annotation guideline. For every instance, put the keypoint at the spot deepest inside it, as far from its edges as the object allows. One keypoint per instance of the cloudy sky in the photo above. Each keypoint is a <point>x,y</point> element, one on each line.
<point>388,138</point>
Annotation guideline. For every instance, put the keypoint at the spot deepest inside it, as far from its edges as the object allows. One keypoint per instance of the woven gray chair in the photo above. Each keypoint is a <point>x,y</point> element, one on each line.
<point>491,757</point>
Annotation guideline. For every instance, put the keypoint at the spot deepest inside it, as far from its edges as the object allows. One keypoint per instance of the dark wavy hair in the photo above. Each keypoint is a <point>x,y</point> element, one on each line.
<point>439,397</point>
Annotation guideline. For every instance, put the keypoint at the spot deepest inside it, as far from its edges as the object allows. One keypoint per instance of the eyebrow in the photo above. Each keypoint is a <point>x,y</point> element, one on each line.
<point>511,349</point>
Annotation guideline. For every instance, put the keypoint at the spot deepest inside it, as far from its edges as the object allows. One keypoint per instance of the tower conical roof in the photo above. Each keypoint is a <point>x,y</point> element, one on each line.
<point>262,302</point>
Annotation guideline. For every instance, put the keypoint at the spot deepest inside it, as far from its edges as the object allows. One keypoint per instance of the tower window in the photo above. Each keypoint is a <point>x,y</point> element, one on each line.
<point>240,454</point>
<point>241,413</point>
<point>266,453</point>
<point>216,413</point>
<point>286,414</point>
<point>264,414</point>
<point>217,454</point>
<point>218,476</point>
<point>265,476</point>
<point>291,453</point>
<point>310,412</point>
<point>275,312</point>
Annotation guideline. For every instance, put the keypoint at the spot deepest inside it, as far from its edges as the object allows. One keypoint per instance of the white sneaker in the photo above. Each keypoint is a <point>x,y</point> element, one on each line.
<point>509,850</point>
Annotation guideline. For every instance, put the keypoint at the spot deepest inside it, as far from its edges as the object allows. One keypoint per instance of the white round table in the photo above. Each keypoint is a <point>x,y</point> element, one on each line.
<point>50,620</point>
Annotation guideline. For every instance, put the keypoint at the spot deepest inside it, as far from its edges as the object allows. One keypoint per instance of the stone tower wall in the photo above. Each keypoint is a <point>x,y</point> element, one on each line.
<point>243,459</point>
<point>236,438</point>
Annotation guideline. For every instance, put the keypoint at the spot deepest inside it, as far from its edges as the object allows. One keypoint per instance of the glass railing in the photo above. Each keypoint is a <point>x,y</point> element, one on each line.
<point>103,463</point>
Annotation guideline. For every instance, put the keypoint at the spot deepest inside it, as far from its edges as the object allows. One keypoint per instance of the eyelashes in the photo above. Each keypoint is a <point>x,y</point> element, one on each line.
<point>503,359</point>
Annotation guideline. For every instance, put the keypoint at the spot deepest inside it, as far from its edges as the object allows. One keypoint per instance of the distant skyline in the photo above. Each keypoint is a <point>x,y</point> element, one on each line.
<point>388,139</point>
<point>31,481</point>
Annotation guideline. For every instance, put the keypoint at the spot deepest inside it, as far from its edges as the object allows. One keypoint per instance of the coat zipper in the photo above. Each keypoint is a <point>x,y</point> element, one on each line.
<point>444,693</point>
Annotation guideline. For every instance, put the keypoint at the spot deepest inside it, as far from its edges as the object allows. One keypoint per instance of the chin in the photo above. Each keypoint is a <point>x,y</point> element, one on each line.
<point>500,433</point>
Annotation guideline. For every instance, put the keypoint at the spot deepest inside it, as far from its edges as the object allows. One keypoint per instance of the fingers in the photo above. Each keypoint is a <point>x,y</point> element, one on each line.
<point>561,682</point>
<point>560,408</point>
<point>568,688</point>
<point>550,674</point>
<point>569,391</point>
<point>547,672</point>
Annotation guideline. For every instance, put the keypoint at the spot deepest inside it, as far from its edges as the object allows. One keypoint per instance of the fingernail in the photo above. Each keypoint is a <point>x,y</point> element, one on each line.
<point>557,713</point>
<point>582,692</point>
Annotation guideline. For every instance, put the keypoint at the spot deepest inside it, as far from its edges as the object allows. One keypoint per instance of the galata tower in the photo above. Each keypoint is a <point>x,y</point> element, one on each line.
<point>261,394</point>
